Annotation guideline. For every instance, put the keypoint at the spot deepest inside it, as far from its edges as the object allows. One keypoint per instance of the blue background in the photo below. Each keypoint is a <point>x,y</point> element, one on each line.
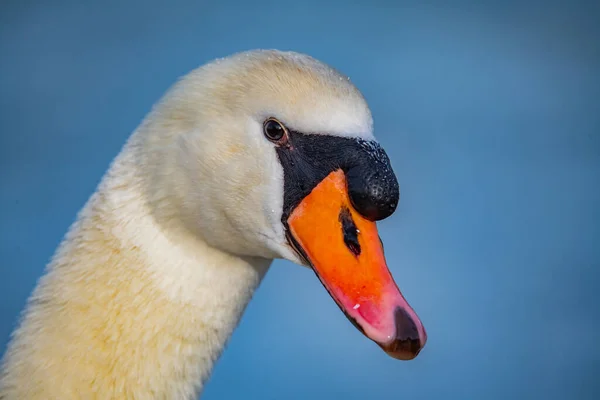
<point>489,112</point>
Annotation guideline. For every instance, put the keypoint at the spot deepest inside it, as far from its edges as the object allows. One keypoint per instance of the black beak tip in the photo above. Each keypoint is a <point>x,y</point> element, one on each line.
<point>408,343</point>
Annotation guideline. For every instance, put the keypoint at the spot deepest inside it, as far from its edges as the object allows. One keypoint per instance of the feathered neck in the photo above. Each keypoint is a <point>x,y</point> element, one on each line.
<point>129,307</point>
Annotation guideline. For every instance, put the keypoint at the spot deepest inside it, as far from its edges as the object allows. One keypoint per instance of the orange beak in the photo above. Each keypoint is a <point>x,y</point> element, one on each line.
<point>345,251</point>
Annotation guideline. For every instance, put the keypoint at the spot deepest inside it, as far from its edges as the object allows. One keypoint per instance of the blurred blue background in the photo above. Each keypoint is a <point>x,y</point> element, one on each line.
<point>489,112</point>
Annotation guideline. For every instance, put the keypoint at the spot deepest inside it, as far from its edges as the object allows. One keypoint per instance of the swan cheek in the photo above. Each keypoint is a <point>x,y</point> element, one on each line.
<point>345,252</point>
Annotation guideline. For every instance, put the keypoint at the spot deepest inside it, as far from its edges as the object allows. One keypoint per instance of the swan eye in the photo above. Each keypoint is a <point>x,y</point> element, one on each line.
<point>274,130</point>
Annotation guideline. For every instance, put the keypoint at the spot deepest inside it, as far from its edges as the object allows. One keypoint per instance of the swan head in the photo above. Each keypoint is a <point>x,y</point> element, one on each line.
<point>271,154</point>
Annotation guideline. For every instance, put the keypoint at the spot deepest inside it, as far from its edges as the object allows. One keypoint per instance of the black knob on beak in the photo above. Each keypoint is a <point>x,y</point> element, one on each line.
<point>373,187</point>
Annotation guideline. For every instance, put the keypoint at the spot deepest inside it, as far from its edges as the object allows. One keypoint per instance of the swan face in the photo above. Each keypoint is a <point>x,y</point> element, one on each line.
<point>272,154</point>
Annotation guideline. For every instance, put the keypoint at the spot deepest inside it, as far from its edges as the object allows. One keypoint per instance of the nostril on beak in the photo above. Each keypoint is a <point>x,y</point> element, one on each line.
<point>407,343</point>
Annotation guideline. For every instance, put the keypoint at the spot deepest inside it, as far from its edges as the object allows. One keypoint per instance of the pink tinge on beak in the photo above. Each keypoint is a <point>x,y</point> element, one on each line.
<point>391,323</point>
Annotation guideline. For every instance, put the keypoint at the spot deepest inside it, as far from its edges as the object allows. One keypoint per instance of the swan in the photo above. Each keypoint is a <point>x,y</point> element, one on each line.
<point>261,155</point>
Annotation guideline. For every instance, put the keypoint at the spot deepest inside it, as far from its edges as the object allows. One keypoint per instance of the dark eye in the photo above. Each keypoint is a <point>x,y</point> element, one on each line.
<point>274,131</point>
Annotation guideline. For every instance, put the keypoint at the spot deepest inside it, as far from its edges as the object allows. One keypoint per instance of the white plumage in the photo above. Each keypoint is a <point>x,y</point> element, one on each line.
<point>151,280</point>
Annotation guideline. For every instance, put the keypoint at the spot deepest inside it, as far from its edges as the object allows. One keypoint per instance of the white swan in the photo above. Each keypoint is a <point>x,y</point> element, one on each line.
<point>261,155</point>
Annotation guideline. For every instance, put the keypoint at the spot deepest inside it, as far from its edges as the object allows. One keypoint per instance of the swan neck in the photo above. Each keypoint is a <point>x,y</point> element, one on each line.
<point>130,307</point>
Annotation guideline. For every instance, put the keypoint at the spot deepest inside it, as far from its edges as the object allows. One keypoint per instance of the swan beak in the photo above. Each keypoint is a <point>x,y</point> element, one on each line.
<point>346,253</point>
